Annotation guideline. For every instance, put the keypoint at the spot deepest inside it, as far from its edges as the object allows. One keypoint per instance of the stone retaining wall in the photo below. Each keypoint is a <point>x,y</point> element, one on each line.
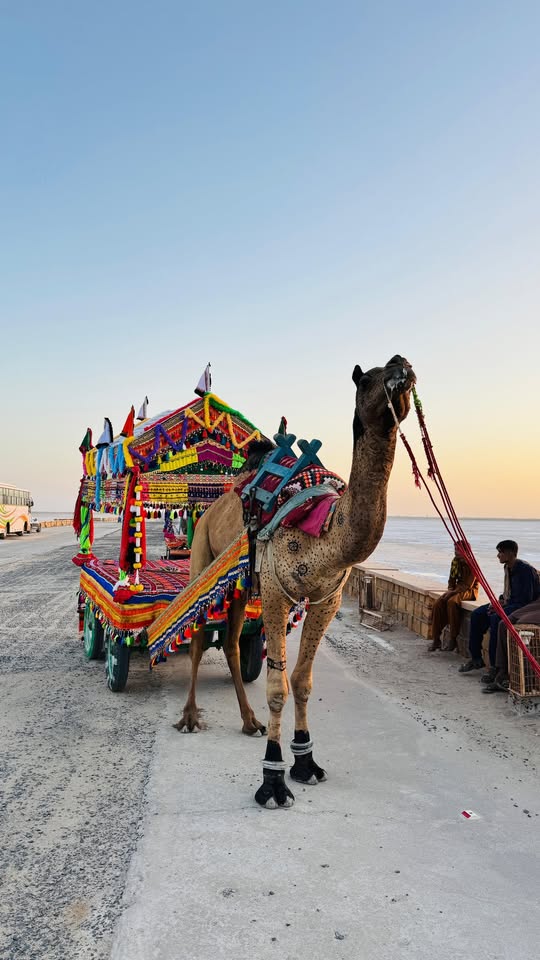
<point>398,597</point>
<point>386,595</point>
<point>56,523</point>
<point>63,522</point>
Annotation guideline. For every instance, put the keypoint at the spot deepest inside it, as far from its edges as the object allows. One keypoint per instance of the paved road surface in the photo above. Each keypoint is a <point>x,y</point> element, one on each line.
<point>124,839</point>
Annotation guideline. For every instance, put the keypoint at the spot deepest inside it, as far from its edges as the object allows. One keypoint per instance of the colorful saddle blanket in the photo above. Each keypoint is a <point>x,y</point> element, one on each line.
<point>310,512</point>
<point>161,579</point>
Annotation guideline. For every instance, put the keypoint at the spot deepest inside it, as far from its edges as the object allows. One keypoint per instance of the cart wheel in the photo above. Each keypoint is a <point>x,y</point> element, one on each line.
<point>92,635</point>
<point>116,663</point>
<point>251,656</point>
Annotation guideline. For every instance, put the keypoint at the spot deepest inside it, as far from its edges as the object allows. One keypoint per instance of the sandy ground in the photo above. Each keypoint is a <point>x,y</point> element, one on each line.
<point>80,766</point>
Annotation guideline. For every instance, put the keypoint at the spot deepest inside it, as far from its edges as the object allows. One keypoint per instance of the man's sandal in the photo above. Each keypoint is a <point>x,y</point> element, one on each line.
<point>470,665</point>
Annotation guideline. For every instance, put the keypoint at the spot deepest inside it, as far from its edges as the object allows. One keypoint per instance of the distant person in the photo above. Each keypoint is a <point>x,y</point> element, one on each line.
<point>501,681</point>
<point>462,585</point>
<point>521,587</point>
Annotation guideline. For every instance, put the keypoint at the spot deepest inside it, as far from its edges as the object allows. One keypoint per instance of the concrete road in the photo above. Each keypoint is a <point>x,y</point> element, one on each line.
<point>124,839</point>
<point>379,862</point>
<point>31,546</point>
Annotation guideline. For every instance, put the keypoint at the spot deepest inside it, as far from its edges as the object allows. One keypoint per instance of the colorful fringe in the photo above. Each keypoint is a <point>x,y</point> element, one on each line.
<point>202,597</point>
<point>163,581</point>
<point>122,617</point>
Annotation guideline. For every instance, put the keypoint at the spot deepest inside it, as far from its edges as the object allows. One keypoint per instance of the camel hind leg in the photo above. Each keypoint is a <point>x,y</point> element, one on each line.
<point>201,557</point>
<point>235,622</point>
<point>201,550</point>
<point>204,550</point>
<point>304,768</point>
<point>190,721</point>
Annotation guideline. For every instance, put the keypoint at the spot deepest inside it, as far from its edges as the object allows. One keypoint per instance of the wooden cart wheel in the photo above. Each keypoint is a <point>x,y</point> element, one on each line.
<point>251,656</point>
<point>116,663</point>
<point>92,635</point>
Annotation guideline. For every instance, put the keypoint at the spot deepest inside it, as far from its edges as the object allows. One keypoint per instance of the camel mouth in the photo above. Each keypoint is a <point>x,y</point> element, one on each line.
<point>403,379</point>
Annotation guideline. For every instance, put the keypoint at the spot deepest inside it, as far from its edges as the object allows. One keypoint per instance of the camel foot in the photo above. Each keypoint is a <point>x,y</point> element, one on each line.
<point>252,727</point>
<point>304,768</point>
<point>274,792</point>
<point>190,721</point>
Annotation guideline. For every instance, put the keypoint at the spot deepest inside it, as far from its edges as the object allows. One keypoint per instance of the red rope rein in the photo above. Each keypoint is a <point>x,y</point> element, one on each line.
<point>451,520</point>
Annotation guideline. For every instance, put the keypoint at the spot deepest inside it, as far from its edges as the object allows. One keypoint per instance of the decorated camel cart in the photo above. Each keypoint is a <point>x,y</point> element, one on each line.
<point>169,469</point>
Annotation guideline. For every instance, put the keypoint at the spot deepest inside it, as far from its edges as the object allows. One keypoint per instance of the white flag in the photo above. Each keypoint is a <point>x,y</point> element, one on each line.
<point>107,436</point>
<point>142,414</point>
<point>205,383</point>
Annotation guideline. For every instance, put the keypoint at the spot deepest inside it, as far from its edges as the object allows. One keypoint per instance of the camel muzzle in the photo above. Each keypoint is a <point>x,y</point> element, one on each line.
<point>403,379</point>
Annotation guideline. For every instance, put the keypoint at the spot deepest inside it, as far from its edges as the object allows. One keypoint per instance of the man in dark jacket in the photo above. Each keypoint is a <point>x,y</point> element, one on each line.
<point>521,586</point>
<point>529,615</point>
<point>462,585</point>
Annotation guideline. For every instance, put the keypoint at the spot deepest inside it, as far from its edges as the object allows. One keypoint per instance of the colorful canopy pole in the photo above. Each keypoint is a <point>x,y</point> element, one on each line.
<point>83,524</point>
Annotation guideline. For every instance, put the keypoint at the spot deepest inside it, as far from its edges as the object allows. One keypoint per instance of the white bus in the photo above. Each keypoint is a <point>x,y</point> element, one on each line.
<point>15,510</point>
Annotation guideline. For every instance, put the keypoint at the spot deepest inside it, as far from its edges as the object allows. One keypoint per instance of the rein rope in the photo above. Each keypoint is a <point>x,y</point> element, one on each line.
<point>451,520</point>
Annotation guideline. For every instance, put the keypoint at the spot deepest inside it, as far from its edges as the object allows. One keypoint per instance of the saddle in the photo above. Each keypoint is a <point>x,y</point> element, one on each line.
<point>287,489</point>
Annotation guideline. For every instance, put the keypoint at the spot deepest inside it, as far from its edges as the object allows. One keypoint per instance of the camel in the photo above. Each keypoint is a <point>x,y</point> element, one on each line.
<point>301,566</point>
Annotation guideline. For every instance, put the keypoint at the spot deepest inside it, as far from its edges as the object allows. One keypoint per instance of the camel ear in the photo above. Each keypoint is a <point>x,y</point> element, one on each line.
<point>357,374</point>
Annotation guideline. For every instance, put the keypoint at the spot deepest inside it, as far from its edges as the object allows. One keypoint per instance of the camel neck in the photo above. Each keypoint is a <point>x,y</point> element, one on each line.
<point>361,514</point>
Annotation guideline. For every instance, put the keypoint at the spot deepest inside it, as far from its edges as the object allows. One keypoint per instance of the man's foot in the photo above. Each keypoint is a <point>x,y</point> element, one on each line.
<point>489,677</point>
<point>471,665</point>
<point>434,646</point>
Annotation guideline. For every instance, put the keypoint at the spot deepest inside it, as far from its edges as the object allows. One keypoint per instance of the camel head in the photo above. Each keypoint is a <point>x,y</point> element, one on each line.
<point>375,389</point>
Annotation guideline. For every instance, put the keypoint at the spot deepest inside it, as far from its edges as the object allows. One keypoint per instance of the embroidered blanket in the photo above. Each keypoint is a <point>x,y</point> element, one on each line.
<point>163,579</point>
<point>312,514</point>
<point>206,594</point>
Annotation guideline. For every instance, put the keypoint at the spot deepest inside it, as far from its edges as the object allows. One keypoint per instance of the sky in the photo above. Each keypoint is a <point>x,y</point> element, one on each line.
<point>284,190</point>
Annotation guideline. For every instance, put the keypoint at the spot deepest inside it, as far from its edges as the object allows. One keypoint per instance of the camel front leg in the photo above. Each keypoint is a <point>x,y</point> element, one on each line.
<point>273,791</point>
<point>190,721</point>
<point>304,769</point>
<point>235,622</point>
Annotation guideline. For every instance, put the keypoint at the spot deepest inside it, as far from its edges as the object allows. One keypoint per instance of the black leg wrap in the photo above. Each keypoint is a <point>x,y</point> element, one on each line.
<point>274,792</point>
<point>273,752</point>
<point>304,768</point>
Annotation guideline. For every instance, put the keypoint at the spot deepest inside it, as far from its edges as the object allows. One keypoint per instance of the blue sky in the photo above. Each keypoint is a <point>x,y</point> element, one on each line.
<point>284,190</point>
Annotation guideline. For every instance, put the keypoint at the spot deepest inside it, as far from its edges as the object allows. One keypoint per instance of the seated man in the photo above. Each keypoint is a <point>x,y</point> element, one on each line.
<point>521,587</point>
<point>501,682</point>
<point>462,585</point>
